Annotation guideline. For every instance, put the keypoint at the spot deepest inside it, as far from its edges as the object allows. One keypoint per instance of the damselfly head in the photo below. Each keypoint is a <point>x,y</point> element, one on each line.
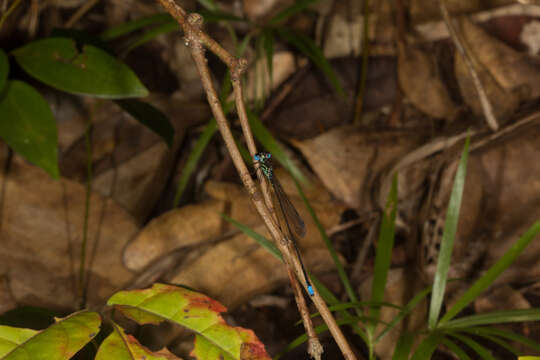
<point>262,156</point>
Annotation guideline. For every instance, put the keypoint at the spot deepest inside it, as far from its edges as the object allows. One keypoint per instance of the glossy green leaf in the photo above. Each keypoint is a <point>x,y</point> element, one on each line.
<point>59,341</point>
<point>193,158</point>
<point>192,310</point>
<point>4,69</point>
<point>479,349</point>
<point>135,25</point>
<point>447,242</point>
<point>307,47</point>
<point>90,71</point>
<point>28,126</point>
<point>492,273</point>
<point>294,9</point>
<point>121,346</point>
<point>383,257</point>
<point>403,347</point>
<point>150,117</point>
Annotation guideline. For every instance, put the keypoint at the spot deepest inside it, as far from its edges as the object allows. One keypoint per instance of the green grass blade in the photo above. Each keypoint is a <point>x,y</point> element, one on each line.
<point>447,243</point>
<point>383,257</point>
<point>151,34</point>
<point>307,47</point>
<point>264,242</point>
<point>498,317</point>
<point>333,253</point>
<point>270,143</point>
<point>404,312</point>
<point>455,349</point>
<point>268,45</point>
<point>319,330</point>
<point>292,10</point>
<point>493,272</point>
<point>427,347</point>
<point>490,331</point>
<point>403,347</point>
<point>479,349</point>
<point>193,159</point>
<point>134,25</point>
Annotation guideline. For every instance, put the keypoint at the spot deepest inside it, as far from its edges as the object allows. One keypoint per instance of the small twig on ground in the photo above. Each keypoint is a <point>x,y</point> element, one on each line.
<point>80,12</point>
<point>460,46</point>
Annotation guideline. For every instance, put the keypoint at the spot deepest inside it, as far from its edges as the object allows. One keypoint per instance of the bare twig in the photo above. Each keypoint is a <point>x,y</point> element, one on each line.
<point>80,12</point>
<point>460,46</point>
<point>196,39</point>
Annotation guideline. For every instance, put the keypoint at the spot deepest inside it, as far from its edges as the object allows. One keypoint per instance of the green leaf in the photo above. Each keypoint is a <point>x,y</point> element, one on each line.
<point>404,312</point>
<point>264,242</point>
<point>59,63</point>
<point>193,159</point>
<point>121,346</point>
<point>150,117</point>
<point>479,349</point>
<point>135,25</point>
<point>383,256</point>
<point>491,331</point>
<point>498,317</point>
<point>447,243</point>
<point>270,143</point>
<point>28,126</point>
<point>4,69</point>
<point>150,35</point>
<point>455,349</point>
<point>307,47</point>
<point>268,45</point>
<point>492,273</point>
<point>192,310</point>
<point>295,8</point>
<point>427,346</point>
<point>403,347</point>
<point>213,16</point>
<point>59,341</point>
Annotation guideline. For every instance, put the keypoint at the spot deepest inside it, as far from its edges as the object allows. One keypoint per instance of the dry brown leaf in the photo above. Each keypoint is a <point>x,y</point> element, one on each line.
<point>240,261</point>
<point>501,298</point>
<point>421,82</point>
<point>511,69</point>
<point>42,222</point>
<point>130,163</point>
<point>348,160</point>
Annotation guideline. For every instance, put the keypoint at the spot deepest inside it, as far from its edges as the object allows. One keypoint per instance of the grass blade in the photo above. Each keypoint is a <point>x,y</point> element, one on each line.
<point>307,47</point>
<point>498,317</point>
<point>427,346</point>
<point>479,349</point>
<point>489,331</point>
<point>449,234</point>
<point>383,257</point>
<point>455,349</point>
<point>295,8</point>
<point>493,272</point>
<point>403,347</point>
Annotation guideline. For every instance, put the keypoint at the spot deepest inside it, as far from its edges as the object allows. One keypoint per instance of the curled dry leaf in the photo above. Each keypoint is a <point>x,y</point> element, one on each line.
<point>503,98</point>
<point>348,161</point>
<point>511,69</point>
<point>236,268</point>
<point>42,222</point>
<point>420,80</point>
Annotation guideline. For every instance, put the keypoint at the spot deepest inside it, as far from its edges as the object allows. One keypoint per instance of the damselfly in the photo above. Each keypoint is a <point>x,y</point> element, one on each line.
<point>293,222</point>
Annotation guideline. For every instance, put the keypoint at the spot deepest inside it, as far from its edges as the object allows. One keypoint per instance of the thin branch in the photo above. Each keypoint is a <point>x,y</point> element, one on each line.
<point>460,46</point>
<point>195,39</point>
